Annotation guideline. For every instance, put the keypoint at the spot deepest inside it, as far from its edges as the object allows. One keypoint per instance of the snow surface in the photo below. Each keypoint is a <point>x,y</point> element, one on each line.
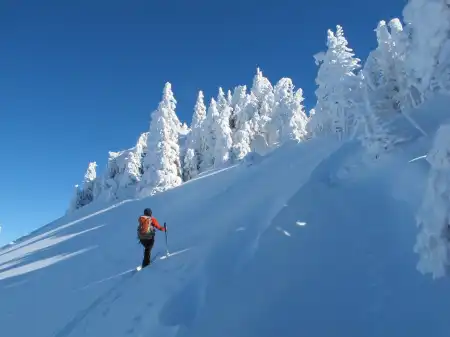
<point>309,240</point>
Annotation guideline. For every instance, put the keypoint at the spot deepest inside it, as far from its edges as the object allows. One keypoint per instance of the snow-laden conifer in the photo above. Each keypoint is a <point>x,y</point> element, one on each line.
<point>337,86</point>
<point>162,167</point>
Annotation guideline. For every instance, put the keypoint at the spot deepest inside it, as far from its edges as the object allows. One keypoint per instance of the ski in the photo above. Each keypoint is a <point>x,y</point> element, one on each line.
<point>165,256</point>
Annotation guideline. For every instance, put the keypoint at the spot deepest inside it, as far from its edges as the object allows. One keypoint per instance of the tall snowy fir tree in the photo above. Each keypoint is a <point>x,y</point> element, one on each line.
<point>198,118</point>
<point>226,108</point>
<point>223,106</point>
<point>296,120</point>
<point>242,134</point>
<point>384,87</point>
<point>262,96</point>
<point>338,88</point>
<point>209,136</point>
<point>196,143</point>
<point>162,167</point>
<point>222,131</point>
<point>238,102</point>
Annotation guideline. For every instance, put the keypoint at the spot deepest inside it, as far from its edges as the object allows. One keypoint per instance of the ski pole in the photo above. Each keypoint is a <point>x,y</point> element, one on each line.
<point>167,246</point>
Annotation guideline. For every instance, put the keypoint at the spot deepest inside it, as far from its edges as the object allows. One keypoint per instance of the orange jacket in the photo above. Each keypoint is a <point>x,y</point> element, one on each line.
<point>157,225</point>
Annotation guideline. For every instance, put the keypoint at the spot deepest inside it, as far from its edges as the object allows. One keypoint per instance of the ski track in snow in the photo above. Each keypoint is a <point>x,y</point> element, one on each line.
<point>72,324</point>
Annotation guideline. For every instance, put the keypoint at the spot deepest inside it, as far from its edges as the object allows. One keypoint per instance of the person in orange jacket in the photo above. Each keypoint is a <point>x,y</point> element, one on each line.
<point>146,233</point>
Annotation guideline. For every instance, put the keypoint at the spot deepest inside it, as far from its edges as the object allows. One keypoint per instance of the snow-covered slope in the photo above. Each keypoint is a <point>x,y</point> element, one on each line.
<point>310,240</point>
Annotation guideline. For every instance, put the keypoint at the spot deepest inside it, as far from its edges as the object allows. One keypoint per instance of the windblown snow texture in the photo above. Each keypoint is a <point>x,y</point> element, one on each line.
<point>310,239</point>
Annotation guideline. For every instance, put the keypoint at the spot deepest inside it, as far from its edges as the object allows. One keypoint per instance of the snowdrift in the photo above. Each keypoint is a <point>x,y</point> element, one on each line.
<point>310,240</point>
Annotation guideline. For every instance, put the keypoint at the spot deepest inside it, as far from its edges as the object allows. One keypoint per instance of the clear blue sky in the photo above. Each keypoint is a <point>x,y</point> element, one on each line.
<point>80,79</point>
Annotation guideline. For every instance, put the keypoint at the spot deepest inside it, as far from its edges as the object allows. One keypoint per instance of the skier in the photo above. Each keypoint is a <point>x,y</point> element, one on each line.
<point>146,233</point>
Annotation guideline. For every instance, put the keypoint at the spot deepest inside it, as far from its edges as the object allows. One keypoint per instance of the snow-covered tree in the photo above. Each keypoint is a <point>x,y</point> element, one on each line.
<point>384,76</point>
<point>242,133</point>
<point>337,86</point>
<point>242,142</point>
<point>386,89</point>
<point>108,183</point>
<point>190,165</point>
<point>88,183</point>
<point>251,116</point>
<point>141,151</point>
<point>197,122</point>
<point>248,124</point>
<point>238,102</point>
<point>288,117</point>
<point>376,134</point>
<point>428,23</point>
<point>315,125</point>
<point>217,133</point>
<point>75,200</point>
<point>222,131</point>
<point>209,136</point>
<point>162,167</point>
<point>222,104</point>
<point>130,173</point>
<point>440,81</point>
<point>383,85</point>
<point>409,95</point>
<point>196,140</point>
<point>229,97</point>
<point>261,85</point>
<point>296,120</point>
<point>84,195</point>
<point>262,95</point>
<point>433,218</point>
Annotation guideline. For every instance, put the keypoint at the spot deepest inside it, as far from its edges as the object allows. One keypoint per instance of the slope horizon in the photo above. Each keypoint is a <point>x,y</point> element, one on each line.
<point>50,192</point>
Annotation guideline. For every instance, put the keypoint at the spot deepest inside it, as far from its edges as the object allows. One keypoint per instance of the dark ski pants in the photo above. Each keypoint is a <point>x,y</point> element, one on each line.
<point>148,245</point>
